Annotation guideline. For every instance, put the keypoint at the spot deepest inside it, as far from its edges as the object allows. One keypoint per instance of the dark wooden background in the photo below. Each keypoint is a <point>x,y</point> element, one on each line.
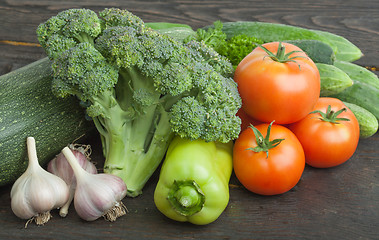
<point>337,203</point>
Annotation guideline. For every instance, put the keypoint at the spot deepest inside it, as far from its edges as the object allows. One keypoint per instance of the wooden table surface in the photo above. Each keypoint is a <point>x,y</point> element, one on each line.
<point>337,203</point>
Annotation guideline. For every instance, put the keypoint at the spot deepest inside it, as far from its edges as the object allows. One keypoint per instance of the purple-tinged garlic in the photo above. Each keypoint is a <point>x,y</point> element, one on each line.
<point>36,192</point>
<point>96,195</point>
<point>59,166</point>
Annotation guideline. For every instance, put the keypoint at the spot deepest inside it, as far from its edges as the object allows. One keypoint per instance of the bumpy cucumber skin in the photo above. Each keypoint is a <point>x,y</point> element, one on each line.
<point>368,123</point>
<point>365,89</point>
<point>361,94</point>
<point>318,51</point>
<point>333,80</point>
<point>346,51</point>
<point>28,108</point>
<point>358,73</point>
<point>268,32</point>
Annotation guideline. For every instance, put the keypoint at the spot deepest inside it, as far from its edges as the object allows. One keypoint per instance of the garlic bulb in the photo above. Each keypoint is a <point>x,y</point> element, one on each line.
<point>37,191</point>
<point>96,195</point>
<point>59,166</point>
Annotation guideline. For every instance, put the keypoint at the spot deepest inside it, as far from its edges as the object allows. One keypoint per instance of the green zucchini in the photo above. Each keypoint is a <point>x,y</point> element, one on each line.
<point>333,80</point>
<point>28,108</point>
<point>368,123</point>
<point>268,32</point>
<point>318,51</point>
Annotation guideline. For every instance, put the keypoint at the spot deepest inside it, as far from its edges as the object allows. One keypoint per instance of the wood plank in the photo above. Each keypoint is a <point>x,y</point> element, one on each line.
<point>357,21</point>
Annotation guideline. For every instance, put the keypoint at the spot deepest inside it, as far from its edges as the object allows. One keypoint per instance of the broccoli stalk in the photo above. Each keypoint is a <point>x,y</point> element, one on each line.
<point>134,140</point>
<point>140,88</point>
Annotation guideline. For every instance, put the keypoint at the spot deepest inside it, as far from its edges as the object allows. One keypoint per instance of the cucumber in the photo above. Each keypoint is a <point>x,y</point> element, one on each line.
<point>174,30</point>
<point>166,25</point>
<point>269,32</point>
<point>345,49</point>
<point>333,80</point>
<point>361,94</point>
<point>28,108</point>
<point>365,89</point>
<point>358,73</point>
<point>318,51</point>
<point>368,123</point>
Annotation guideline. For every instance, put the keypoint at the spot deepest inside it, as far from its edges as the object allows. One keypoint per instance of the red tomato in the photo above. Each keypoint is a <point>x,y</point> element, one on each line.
<point>282,91</point>
<point>246,120</point>
<point>274,174</point>
<point>327,144</point>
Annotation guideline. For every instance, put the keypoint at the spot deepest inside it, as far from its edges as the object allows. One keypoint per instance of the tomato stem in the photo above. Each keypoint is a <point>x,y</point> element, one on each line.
<point>263,143</point>
<point>281,55</point>
<point>330,115</point>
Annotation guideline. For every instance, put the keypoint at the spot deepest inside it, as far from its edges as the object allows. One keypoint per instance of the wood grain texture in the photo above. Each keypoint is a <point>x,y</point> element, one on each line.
<point>337,203</point>
<point>358,21</point>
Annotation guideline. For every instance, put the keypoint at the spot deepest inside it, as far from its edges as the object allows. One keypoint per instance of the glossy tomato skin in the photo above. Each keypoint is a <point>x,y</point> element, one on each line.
<point>278,173</point>
<point>270,90</point>
<point>327,144</point>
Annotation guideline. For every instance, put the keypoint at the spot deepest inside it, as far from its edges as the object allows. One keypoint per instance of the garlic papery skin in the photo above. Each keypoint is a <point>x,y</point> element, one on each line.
<point>37,191</point>
<point>96,195</point>
<point>60,166</point>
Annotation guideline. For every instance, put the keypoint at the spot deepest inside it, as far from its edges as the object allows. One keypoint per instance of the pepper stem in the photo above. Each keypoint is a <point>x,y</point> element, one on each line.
<point>263,143</point>
<point>331,116</point>
<point>186,197</point>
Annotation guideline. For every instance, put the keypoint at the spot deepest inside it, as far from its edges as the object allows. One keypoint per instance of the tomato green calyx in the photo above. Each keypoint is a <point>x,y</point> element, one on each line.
<point>331,116</point>
<point>281,55</point>
<point>186,197</point>
<point>263,143</point>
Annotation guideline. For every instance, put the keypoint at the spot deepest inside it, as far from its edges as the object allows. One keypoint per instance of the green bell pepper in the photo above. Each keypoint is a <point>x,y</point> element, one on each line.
<point>193,184</point>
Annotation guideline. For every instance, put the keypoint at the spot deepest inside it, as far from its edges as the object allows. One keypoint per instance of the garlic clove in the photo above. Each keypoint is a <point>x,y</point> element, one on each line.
<point>37,191</point>
<point>97,195</point>
<point>61,167</point>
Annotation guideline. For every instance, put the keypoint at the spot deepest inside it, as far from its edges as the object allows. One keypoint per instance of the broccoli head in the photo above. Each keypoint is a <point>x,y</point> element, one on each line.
<point>141,88</point>
<point>67,29</point>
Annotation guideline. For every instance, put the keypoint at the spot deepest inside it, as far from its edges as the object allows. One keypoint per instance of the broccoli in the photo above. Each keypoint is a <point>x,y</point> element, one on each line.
<point>66,29</point>
<point>140,87</point>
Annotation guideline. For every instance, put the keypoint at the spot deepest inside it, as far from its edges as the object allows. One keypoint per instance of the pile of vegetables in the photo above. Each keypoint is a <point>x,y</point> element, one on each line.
<point>303,101</point>
<point>139,87</point>
<point>261,99</point>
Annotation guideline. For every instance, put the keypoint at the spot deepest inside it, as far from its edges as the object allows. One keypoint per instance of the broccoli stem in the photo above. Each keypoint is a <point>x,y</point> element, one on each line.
<point>134,144</point>
<point>130,157</point>
<point>148,161</point>
<point>84,37</point>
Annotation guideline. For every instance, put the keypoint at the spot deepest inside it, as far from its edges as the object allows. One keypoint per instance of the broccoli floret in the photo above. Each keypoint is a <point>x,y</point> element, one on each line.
<point>67,29</point>
<point>141,88</point>
<point>112,17</point>
<point>83,71</point>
